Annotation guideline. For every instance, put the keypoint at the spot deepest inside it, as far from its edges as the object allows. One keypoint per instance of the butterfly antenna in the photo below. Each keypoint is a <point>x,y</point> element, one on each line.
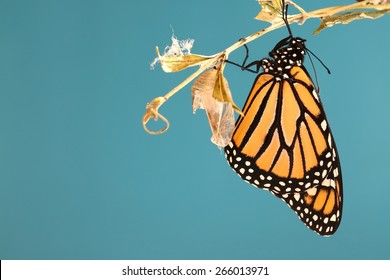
<point>317,86</point>
<point>323,64</point>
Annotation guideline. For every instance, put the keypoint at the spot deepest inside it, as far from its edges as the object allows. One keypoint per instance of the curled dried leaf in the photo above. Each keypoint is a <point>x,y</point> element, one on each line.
<point>220,113</point>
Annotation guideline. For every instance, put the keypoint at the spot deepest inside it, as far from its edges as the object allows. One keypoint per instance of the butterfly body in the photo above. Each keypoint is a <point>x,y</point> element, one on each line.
<point>283,142</point>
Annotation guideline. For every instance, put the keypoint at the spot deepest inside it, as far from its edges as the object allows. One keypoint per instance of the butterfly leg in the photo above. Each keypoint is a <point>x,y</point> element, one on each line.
<point>244,67</point>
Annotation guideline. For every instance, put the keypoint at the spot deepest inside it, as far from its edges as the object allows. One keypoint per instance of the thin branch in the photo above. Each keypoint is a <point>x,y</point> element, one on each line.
<point>220,58</point>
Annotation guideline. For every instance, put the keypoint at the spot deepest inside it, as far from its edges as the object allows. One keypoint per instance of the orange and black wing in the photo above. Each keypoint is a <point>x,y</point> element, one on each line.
<point>320,207</point>
<point>283,143</point>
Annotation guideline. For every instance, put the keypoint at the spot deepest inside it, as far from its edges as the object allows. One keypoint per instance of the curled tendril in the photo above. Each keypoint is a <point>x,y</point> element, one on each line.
<point>152,113</point>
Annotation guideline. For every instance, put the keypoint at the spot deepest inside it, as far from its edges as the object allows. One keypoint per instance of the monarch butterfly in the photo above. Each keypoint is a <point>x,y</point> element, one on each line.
<point>283,143</point>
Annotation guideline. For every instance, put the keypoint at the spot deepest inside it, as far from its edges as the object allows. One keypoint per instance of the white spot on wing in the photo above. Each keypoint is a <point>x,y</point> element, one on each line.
<point>312,191</point>
<point>326,183</point>
<point>330,140</point>
<point>324,125</point>
<point>315,95</point>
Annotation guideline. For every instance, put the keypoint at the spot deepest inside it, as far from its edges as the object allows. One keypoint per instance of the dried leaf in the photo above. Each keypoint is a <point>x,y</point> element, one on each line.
<point>278,4</point>
<point>178,63</point>
<point>348,17</point>
<point>222,91</point>
<point>178,56</point>
<point>219,113</point>
<point>270,11</point>
<point>375,2</point>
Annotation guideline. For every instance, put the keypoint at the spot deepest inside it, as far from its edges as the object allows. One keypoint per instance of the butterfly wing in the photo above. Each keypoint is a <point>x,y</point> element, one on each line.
<point>320,207</point>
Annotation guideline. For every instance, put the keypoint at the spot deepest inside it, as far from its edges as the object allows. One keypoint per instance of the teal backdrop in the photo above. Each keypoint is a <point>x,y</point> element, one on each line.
<point>81,179</point>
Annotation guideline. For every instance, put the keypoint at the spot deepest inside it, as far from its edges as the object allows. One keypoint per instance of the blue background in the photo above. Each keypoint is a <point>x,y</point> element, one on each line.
<point>81,179</point>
